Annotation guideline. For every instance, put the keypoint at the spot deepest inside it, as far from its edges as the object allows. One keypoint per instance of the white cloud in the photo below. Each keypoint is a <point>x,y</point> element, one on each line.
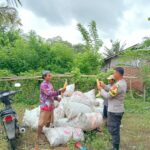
<point>43,28</point>
<point>134,24</point>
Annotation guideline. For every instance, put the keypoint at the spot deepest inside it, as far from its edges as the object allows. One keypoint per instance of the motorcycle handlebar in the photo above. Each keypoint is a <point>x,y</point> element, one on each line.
<point>8,93</point>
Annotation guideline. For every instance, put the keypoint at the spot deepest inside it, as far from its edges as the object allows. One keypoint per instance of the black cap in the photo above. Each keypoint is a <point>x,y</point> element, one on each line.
<point>120,70</point>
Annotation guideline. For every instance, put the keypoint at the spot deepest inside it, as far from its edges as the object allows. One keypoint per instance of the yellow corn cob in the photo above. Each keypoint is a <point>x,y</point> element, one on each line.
<point>97,81</point>
<point>98,84</point>
<point>65,84</point>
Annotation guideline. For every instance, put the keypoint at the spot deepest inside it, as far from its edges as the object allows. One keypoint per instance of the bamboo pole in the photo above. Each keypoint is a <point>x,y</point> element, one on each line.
<point>39,77</point>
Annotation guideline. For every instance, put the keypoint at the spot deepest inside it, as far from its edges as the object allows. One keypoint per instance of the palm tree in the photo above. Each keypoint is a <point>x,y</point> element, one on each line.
<point>90,36</point>
<point>85,34</point>
<point>9,15</point>
<point>97,43</point>
<point>116,49</point>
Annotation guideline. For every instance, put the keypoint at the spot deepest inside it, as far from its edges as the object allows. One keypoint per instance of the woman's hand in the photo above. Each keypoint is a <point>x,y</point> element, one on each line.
<point>62,90</point>
<point>58,99</point>
<point>102,84</point>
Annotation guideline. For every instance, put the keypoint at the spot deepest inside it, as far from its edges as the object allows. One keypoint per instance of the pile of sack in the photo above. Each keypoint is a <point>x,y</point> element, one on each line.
<point>77,112</point>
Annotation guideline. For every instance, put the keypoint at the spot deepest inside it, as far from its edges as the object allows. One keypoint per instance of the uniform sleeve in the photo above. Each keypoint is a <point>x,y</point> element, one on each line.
<point>49,92</point>
<point>113,92</point>
<point>107,88</point>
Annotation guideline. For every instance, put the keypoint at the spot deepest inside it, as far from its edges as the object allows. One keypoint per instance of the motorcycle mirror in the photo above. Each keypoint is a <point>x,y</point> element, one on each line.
<point>17,85</point>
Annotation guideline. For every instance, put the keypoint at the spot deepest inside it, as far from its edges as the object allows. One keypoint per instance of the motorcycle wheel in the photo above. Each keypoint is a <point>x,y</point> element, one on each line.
<point>12,144</point>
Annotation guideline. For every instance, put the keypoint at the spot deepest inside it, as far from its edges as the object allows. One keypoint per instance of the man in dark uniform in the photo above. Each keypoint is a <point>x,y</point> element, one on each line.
<point>115,96</point>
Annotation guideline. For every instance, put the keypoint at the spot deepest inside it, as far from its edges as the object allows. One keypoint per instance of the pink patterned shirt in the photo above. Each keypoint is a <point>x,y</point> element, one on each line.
<point>47,95</point>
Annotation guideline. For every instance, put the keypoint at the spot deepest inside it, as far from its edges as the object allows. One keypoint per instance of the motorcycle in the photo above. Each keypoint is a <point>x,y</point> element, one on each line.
<point>9,119</point>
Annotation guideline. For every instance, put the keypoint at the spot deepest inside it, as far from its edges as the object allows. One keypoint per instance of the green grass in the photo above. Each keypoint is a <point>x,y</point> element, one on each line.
<point>135,130</point>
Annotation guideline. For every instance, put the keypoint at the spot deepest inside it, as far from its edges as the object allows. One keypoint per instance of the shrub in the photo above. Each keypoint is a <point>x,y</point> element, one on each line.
<point>30,88</point>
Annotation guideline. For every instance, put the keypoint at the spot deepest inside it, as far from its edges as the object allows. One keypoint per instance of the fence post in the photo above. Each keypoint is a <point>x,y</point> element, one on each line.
<point>131,93</point>
<point>144,93</point>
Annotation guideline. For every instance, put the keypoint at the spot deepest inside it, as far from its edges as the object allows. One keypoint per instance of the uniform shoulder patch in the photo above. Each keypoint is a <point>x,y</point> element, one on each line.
<point>114,90</point>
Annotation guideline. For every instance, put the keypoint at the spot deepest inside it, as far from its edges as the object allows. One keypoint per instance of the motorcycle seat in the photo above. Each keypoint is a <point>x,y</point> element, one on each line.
<point>7,112</point>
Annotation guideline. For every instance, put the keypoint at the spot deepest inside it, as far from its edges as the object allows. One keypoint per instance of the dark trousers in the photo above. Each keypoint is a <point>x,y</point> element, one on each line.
<point>105,112</point>
<point>114,122</point>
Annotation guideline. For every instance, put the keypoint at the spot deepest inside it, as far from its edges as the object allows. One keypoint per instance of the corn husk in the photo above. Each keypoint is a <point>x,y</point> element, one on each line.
<point>65,84</point>
<point>97,81</point>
